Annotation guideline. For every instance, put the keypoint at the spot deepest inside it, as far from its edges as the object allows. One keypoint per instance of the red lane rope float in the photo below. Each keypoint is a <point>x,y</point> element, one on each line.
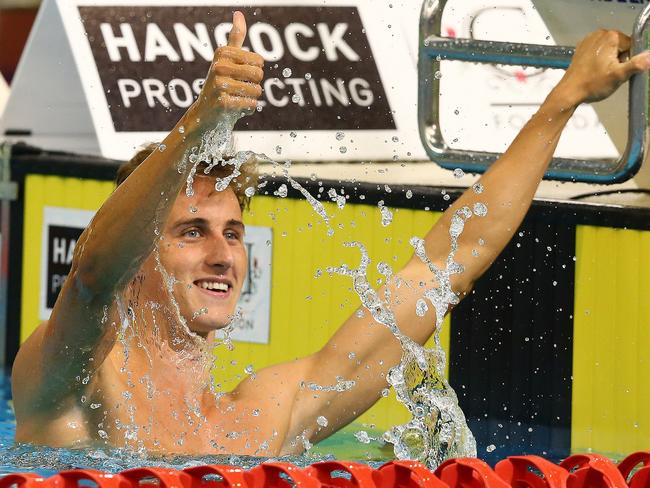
<point>518,472</point>
<point>23,480</point>
<point>277,475</point>
<point>230,476</point>
<point>640,479</point>
<point>593,471</point>
<point>357,474</point>
<point>469,473</point>
<point>408,474</point>
<point>72,478</point>
<point>166,478</point>
<point>579,471</point>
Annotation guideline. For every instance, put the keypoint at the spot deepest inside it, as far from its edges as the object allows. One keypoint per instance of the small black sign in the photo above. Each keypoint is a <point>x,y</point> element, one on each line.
<point>320,71</point>
<point>61,242</point>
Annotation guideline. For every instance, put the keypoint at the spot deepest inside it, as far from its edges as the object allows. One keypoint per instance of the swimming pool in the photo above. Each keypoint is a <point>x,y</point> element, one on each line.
<point>48,461</point>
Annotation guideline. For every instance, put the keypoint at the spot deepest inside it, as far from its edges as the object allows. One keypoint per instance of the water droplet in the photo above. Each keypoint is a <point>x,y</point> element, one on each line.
<point>307,76</point>
<point>256,412</point>
<point>340,135</point>
<point>480,209</point>
<point>458,173</point>
<point>161,147</point>
<point>421,308</point>
<point>293,135</point>
<point>286,72</point>
<point>352,355</point>
<point>395,139</point>
<point>446,197</point>
<point>248,369</point>
<point>437,75</point>
<point>282,191</point>
<point>362,436</point>
<point>343,149</point>
<point>278,149</point>
<point>249,192</point>
<point>181,129</point>
<point>296,98</point>
<point>456,112</point>
<point>478,188</point>
<point>322,421</point>
<point>386,214</point>
<point>409,194</point>
<point>490,448</point>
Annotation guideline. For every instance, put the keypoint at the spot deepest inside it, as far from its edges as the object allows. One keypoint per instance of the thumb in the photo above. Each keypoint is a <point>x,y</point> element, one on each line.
<point>636,64</point>
<point>238,31</point>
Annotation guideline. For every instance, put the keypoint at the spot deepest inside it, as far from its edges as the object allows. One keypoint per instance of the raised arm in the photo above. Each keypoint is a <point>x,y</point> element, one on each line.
<point>123,233</point>
<point>510,184</point>
<point>362,350</point>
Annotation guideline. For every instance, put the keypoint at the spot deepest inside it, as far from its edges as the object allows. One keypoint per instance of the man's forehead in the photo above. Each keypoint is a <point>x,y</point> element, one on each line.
<point>206,201</point>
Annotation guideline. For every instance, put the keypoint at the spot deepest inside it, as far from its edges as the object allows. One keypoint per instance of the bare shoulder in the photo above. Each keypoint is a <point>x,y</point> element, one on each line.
<point>28,372</point>
<point>39,420</point>
<point>272,392</point>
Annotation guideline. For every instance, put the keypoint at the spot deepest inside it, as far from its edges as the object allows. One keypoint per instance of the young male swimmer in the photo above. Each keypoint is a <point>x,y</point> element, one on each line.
<point>73,385</point>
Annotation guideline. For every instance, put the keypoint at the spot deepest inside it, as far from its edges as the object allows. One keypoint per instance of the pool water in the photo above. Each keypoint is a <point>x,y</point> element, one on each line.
<point>47,461</point>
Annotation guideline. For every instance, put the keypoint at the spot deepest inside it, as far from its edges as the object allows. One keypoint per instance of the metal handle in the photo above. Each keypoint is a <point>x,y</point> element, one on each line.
<point>435,48</point>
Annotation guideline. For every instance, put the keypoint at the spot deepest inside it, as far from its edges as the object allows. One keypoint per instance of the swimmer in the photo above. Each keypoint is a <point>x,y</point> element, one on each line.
<point>82,379</point>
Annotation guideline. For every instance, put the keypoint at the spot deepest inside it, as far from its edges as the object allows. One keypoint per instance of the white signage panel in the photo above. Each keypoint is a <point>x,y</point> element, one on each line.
<point>332,67</point>
<point>341,75</point>
<point>255,300</point>
<point>61,230</point>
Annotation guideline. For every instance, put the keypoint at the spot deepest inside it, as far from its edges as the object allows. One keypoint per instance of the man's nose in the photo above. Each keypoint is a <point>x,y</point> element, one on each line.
<point>220,254</point>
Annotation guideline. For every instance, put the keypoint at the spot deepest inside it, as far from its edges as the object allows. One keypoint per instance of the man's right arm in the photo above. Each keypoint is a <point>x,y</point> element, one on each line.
<point>111,250</point>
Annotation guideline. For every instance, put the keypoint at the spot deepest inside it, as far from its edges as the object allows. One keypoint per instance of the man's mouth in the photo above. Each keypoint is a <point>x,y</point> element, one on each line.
<point>215,288</point>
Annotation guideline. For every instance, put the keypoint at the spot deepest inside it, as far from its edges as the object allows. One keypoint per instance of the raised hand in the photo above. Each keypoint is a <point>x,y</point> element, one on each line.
<point>601,64</point>
<point>233,82</point>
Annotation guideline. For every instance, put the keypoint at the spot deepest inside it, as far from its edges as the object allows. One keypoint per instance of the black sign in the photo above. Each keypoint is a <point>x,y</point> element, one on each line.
<point>320,71</point>
<point>61,242</point>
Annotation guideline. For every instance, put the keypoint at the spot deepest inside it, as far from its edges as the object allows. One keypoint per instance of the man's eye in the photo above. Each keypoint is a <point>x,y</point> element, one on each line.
<point>232,235</point>
<point>192,234</point>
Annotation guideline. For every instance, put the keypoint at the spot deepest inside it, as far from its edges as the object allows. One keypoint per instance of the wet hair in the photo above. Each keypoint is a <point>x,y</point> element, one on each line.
<point>248,170</point>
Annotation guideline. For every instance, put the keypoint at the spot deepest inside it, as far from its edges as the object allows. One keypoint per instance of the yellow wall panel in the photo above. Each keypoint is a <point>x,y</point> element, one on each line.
<point>305,310</point>
<point>611,384</point>
<point>50,191</point>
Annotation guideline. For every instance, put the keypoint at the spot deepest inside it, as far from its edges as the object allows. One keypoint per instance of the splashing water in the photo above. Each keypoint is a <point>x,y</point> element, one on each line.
<point>438,429</point>
<point>386,214</point>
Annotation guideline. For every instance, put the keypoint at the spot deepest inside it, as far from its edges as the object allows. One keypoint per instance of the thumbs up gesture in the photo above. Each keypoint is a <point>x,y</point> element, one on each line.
<point>233,82</point>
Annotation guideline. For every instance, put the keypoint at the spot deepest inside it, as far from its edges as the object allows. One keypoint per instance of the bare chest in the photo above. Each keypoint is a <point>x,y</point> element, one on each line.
<point>140,410</point>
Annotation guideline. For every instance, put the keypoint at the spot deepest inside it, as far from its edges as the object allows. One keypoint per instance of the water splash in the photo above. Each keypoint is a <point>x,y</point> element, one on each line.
<point>438,429</point>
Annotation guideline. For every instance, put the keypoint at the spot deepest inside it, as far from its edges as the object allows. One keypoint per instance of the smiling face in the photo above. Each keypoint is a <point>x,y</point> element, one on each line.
<point>203,249</point>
